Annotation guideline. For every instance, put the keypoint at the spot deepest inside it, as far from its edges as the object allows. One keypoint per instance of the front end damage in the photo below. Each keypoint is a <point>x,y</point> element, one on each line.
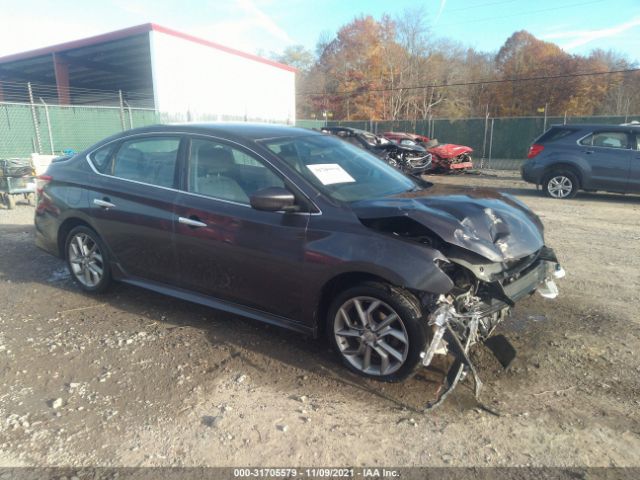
<point>470,313</point>
<point>491,247</point>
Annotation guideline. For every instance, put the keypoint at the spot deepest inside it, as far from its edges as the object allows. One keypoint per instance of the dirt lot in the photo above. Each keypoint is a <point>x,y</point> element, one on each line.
<point>134,378</point>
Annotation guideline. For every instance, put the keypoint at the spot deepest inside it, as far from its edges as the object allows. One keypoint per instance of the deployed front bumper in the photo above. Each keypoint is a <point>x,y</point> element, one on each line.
<point>454,332</point>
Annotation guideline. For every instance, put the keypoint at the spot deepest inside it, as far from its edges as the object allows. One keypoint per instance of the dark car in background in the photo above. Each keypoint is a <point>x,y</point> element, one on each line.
<point>411,159</point>
<point>446,157</point>
<point>297,229</point>
<point>568,158</point>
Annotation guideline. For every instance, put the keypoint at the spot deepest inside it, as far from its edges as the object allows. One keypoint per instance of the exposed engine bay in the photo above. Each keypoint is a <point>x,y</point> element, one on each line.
<point>490,270</point>
<point>472,311</point>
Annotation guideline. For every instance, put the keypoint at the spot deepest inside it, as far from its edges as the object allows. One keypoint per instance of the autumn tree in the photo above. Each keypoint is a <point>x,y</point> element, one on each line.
<point>393,69</point>
<point>303,60</point>
<point>352,65</point>
<point>523,56</point>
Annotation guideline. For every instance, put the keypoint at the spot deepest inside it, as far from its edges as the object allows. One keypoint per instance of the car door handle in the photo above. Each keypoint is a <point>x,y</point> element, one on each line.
<point>588,152</point>
<point>103,203</point>
<point>191,222</point>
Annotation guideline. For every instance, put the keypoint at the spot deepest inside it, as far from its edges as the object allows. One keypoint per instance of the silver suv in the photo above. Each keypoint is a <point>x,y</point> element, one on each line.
<point>568,158</point>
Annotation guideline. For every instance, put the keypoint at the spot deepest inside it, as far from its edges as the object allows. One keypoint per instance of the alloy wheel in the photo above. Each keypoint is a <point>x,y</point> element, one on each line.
<point>560,186</point>
<point>85,259</point>
<point>371,336</point>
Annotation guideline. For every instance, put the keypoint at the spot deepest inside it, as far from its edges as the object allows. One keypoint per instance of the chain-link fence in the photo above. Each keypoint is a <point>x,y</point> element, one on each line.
<point>27,128</point>
<point>51,129</point>
<point>500,143</point>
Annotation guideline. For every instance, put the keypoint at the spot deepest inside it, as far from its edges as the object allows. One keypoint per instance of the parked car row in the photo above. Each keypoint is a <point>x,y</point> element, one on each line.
<point>562,161</point>
<point>411,159</point>
<point>410,153</point>
<point>447,157</point>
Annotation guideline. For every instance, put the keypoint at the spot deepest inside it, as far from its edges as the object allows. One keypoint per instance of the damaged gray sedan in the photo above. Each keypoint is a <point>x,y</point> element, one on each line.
<point>441,266</point>
<point>300,230</point>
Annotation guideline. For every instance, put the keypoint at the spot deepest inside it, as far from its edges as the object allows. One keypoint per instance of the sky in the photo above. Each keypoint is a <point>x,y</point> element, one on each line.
<point>578,26</point>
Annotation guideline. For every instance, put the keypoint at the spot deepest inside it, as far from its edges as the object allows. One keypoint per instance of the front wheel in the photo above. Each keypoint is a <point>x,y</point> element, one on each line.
<point>560,184</point>
<point>87,259</point>
<point>378,331</point>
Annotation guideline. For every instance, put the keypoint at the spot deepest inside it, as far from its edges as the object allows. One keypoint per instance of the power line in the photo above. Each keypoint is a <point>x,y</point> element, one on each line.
<point>469,7</point>
<point>479,82</point>
<point>44,87</point>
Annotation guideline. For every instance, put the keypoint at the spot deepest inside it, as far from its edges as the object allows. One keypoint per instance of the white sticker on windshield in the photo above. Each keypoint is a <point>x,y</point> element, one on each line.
<point>330,173</point>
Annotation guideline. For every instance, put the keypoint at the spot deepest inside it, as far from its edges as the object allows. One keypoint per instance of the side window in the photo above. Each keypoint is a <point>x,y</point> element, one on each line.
<point>241,158</point>
<point>101,159</point>
<point>555,133</point>
<point>587,141</point>
<point>607,139</point>
<point>148,160</point>
<point>220,171</point>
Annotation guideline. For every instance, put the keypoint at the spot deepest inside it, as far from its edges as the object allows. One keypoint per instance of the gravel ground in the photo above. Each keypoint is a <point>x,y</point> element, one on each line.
<point>133,378</point>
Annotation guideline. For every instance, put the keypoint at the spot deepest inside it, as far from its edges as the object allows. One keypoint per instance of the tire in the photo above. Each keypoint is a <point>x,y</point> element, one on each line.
<point>405,336</point>
<point>88,266</point>
<point>560,184</point>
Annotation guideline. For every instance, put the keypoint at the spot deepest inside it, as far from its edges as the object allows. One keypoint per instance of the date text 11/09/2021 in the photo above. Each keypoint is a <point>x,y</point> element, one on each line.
<point>315,472</point>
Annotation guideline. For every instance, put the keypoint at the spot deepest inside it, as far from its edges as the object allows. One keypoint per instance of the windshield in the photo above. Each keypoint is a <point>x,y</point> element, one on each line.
<point>340,170</point>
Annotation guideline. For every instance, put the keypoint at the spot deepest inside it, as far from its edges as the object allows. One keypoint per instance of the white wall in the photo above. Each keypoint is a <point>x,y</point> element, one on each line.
<point>210,83</point>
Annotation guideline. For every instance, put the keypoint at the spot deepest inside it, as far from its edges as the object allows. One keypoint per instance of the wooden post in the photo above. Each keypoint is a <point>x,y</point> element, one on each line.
<point>46,113</point>
<point>124,127</point>
<point>34,115</point>
<point>61,70</point>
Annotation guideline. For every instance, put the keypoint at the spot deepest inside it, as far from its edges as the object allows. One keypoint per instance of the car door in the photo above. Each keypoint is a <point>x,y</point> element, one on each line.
<point>634,171</point>
<point>609,155</point>
<point>131,203</point>
<point>225,248</point>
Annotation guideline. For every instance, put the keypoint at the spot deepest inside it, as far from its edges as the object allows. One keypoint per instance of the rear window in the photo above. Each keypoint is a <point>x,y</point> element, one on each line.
<point>554,133</point>
<point>149,160</point>
<point>101,158</point>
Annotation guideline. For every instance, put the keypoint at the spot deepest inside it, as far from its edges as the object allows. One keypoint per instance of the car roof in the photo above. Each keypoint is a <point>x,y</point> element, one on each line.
<point>243,130</point>
<point>347,129</point>
<point>598,126</point>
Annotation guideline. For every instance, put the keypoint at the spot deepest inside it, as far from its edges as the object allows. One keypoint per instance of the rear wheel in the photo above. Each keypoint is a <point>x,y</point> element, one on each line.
<point>561,184</point>
<point>377,330</point>
<point>87,259</point>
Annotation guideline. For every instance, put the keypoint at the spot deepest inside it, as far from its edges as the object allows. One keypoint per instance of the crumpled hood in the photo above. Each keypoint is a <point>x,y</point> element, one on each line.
<point>449,150</point>
<point>497,226</point>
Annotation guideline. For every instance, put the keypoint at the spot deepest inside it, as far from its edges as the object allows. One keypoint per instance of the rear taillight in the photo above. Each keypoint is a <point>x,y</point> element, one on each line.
<point>41,182</point>
<point>534,150</point>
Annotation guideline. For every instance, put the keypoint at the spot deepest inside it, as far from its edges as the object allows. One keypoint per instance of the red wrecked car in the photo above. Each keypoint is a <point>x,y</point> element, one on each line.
<point>446,157</point>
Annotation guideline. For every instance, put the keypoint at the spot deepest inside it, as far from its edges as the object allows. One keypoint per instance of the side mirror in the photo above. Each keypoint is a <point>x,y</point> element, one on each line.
<point>274,199</point>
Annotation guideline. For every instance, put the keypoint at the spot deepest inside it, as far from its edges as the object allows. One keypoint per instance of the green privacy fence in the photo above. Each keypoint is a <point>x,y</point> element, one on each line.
<point>497,142</point>
<point>51,129</point>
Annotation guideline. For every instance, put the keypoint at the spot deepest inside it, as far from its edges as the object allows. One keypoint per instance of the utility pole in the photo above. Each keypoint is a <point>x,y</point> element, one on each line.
<point>626,111</point>
<point>484,141</point>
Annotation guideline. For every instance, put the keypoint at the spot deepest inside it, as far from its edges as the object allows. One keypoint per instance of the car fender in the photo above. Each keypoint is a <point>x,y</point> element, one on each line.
<point>576,163</point>
<point>401,262</point>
